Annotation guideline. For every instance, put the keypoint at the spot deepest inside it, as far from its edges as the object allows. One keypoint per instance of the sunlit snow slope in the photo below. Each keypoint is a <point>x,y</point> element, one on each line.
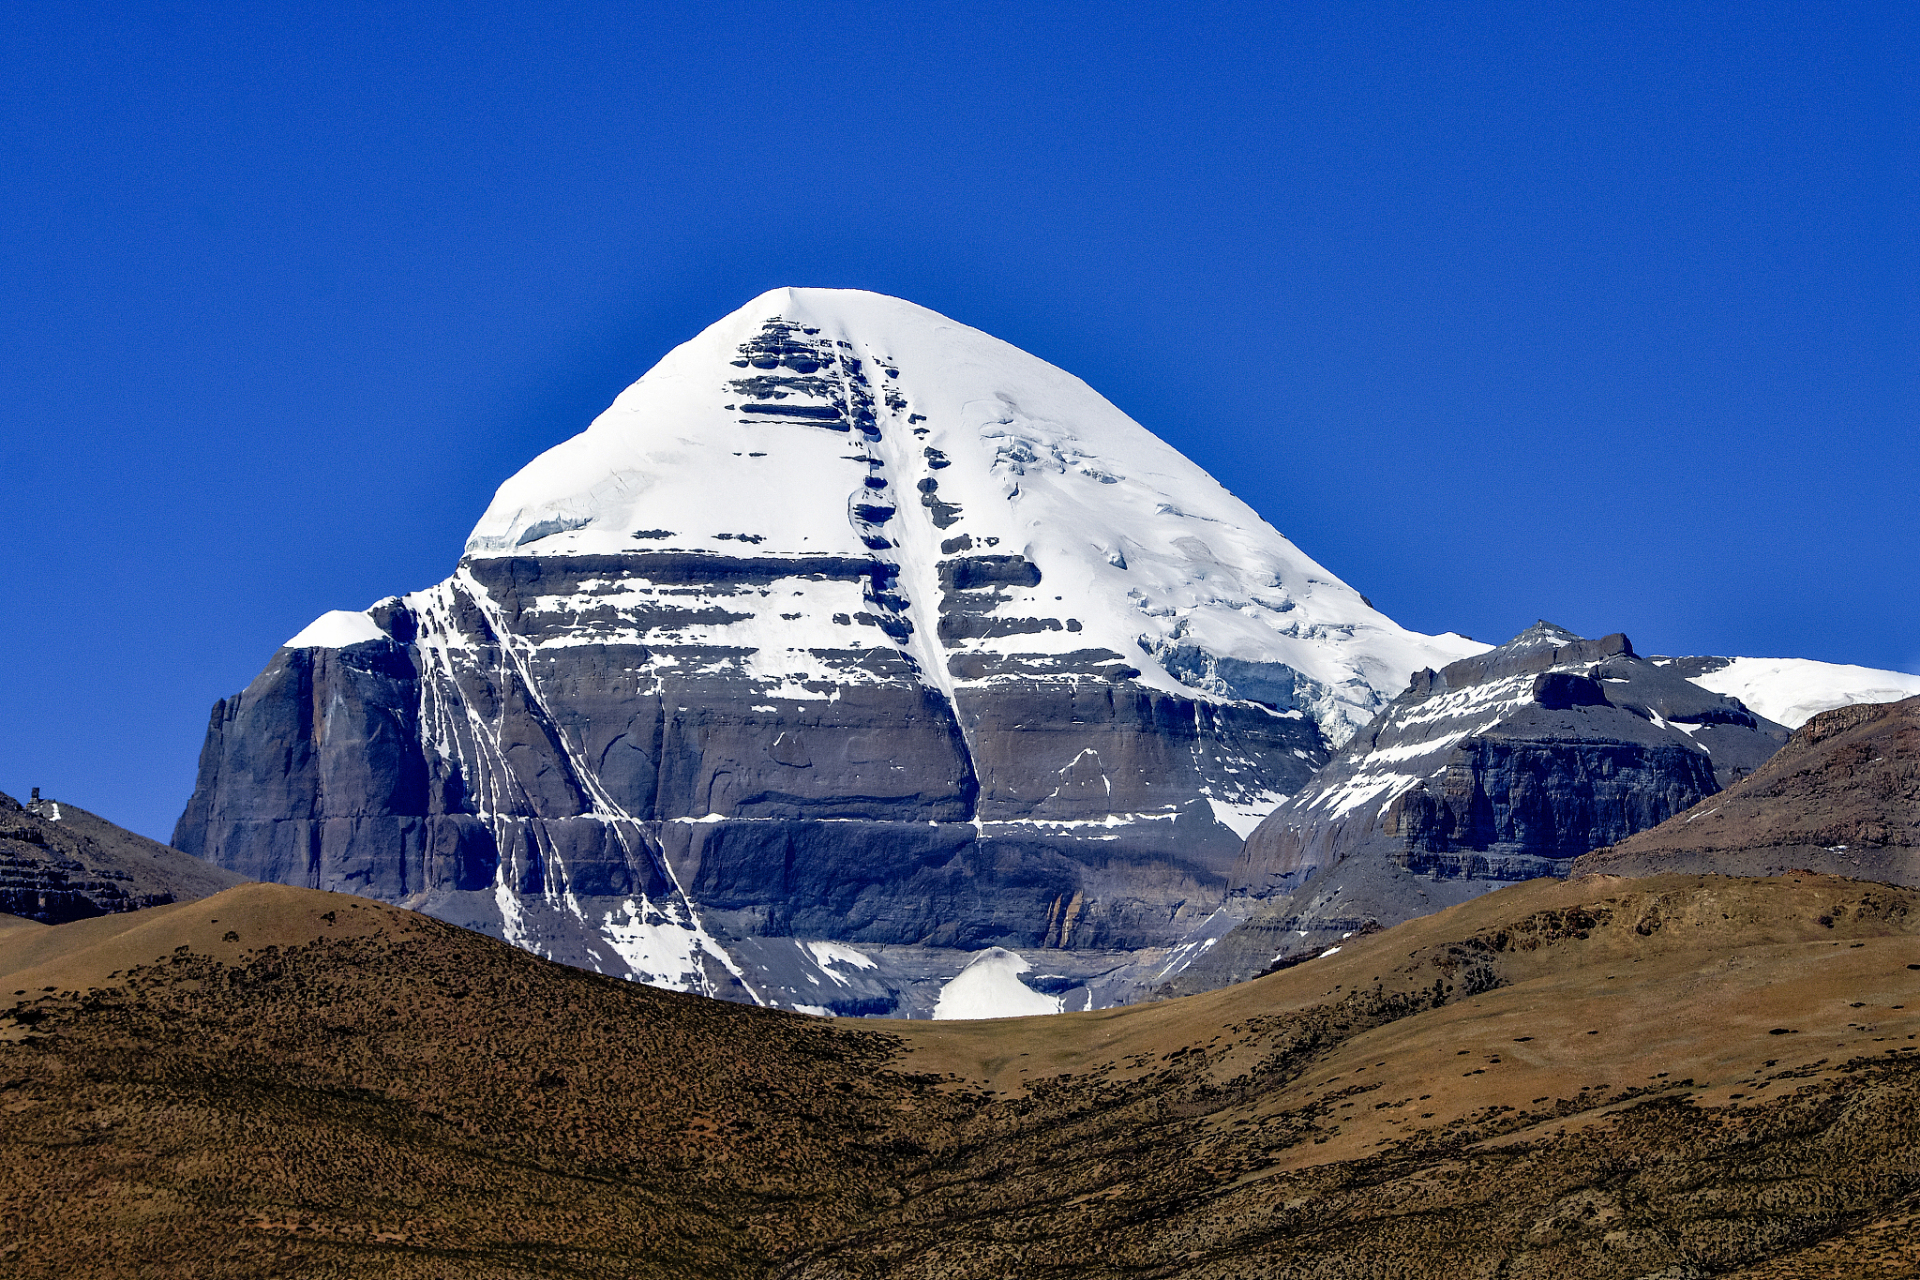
<point>816,421</point>
<point>1794,690</point>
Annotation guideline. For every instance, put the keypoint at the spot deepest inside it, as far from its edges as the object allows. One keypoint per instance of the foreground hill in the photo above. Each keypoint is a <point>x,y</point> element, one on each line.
<point>1679,1076</point>
<point>59,862</point>
<point>1842,796</point>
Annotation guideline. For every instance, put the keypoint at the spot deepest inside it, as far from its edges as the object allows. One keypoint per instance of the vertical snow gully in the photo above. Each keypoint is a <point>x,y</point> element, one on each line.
<point>602,802</point>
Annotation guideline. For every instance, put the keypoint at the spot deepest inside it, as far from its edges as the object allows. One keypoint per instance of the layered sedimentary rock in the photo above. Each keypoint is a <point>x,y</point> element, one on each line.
<point>1500,767</point>
<point>848,643</point>
<point>1842,797</point>
<point>59,862</point>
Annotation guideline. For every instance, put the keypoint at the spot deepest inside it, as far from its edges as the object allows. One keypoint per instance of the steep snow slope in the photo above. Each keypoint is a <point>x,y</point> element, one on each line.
<point>816,421</point>
<point>846,623</point>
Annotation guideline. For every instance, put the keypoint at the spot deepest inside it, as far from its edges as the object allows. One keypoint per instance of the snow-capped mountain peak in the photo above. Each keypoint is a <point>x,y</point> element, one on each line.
<point>830,422</point>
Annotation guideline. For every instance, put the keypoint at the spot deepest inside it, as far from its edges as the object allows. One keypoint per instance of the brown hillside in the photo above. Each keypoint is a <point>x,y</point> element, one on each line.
<point>1843,796</point>
<point>1597,1077</point>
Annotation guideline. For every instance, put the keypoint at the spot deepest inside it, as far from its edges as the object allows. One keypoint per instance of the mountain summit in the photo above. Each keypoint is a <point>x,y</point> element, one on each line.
<point>835,422</point>
<point>848,643</point>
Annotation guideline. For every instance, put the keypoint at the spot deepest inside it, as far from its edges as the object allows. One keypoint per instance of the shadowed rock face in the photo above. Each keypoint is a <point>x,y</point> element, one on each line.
<point>1498,768</point>
<point>1842,797</point>
<point>650,808</point>
<point>59,863</point>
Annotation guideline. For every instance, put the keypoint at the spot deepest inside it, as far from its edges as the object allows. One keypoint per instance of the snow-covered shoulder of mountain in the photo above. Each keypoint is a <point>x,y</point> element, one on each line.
<point>337,629</point>
<point>1794,690</point>
<point>796,425</point>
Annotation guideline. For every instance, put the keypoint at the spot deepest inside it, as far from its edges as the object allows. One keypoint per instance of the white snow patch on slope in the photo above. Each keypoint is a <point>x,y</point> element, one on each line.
<point>660,950</point>
<point>990,987</point>
<point>336,629</point>
<point>828,954</point>
<point>1243,816</point>
<point>1792,691</point>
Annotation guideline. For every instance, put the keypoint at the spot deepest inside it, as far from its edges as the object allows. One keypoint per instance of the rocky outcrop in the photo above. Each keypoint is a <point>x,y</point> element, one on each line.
<point>1842,798</point>
<point>1497,768</point>
<point>59,862</point>
<point>845,626</point>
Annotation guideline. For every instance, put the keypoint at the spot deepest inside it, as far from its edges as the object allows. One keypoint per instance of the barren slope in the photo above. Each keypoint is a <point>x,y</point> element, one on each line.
<point>58,863</point>
<point>1587,1078</point>
<point>1843,796</point>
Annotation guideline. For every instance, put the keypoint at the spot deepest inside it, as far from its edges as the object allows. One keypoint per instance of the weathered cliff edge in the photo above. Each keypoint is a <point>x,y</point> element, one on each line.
<point>1497,768</point>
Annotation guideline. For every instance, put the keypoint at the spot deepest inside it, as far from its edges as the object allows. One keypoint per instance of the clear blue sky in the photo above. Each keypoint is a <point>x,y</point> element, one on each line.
<point>1603,313</point>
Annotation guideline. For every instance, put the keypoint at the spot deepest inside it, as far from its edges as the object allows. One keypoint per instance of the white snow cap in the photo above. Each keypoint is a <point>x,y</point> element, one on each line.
<point>336,629</point>
<point>1792,691</point>
<point>1148,555</point>
<point>990,987</point>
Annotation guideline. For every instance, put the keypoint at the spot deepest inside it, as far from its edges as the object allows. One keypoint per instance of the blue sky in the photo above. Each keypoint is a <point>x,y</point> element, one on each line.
<point>1605,314</point>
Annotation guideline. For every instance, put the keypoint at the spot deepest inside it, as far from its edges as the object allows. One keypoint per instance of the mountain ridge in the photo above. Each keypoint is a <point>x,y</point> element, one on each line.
<point>59,862</point>
<point>1841,797</point>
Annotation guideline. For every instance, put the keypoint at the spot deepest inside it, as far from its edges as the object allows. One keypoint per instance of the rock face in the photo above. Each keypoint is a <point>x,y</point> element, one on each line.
<point>59,863</point>
<point>1501,767</point>
<point>845,625</point>
<point>1842,797</point>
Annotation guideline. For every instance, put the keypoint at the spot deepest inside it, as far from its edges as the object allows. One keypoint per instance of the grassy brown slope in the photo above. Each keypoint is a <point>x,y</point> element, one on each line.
<point>1843,796</point>
<point>379,1094</point>
<point>312,1084</point>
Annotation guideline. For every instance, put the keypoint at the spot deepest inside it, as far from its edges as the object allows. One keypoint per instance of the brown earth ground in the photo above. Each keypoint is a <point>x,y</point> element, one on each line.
<point>1671,1077</point>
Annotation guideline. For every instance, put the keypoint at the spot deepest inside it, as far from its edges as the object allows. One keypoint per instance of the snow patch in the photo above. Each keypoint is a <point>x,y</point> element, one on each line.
<point>1242,817</point>
<point>828,954</point>
<point>336,629</point>
<point>1792,691</point>
<point>990,987</point>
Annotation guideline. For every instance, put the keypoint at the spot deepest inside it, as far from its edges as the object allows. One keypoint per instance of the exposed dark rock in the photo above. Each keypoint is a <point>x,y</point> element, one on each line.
<point>679,758</point>
<point>1499,768</point>
<point>1842,797</point>
<point>596,773</point>
<point>59,862</point>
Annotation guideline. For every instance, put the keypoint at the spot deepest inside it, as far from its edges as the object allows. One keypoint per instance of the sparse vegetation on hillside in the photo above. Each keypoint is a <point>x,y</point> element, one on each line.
<point>1564,1079</point>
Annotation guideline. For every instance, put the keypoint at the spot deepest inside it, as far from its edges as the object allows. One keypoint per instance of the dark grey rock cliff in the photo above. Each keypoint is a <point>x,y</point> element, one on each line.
<point>1051,803</point>
<point>1495,769</point>
<point>1841,798</point>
